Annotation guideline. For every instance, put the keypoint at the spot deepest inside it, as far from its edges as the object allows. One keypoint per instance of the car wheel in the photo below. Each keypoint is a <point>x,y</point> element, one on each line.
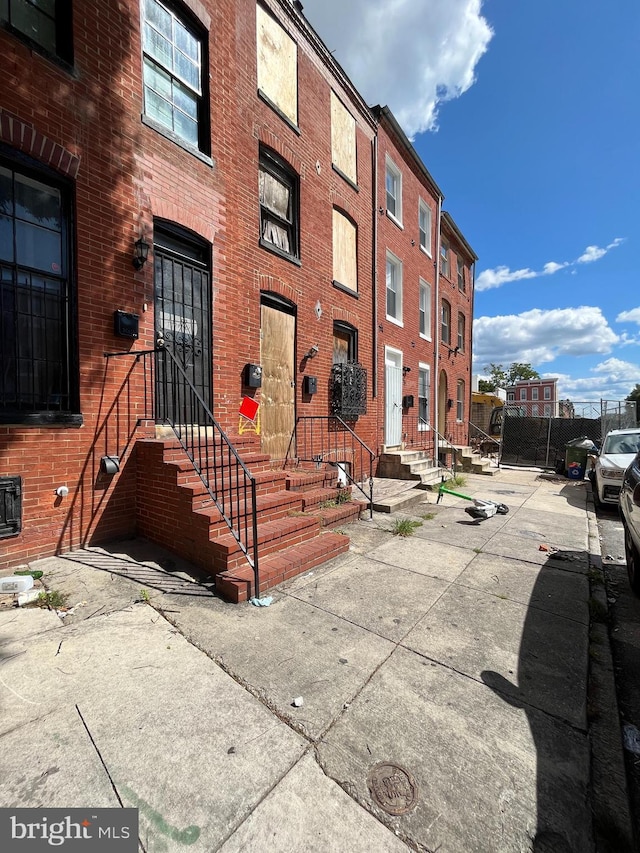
<point>633,561</point>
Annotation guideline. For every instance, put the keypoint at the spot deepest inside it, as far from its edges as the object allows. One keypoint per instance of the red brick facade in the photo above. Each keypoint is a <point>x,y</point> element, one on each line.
<point>81,123</point>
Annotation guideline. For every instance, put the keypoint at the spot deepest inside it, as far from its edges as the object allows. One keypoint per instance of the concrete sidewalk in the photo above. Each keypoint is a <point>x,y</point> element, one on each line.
<point>443,676</point>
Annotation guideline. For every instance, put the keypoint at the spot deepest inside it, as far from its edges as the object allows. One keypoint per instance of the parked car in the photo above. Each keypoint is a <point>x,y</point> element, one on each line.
<point>630,511</point>
<point>618,450</point>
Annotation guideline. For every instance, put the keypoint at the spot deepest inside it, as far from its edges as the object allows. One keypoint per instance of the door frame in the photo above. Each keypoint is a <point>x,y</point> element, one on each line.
<point>392,358</point>
<point>276,302</point>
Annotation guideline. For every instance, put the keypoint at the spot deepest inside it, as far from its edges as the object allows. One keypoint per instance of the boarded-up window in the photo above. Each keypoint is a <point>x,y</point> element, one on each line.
<point>277,65</point>
<point>345,267</point>
<point>343,139</point>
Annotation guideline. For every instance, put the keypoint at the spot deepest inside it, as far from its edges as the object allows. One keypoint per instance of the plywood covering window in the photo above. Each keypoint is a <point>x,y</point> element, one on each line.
<point>343,140</point>
<point>277,65</point>
<point>345,265</point>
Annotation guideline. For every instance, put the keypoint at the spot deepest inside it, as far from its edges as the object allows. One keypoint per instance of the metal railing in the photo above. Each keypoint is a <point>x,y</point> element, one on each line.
<point>482,441</point>
<point>328,439</point>
<point>418,434</point>
<point>170,398</point>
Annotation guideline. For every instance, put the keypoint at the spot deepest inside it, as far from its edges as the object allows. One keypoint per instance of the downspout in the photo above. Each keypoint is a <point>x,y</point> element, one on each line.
<point>436,336</point>
<point>374,274</point>
<point>473,296</point>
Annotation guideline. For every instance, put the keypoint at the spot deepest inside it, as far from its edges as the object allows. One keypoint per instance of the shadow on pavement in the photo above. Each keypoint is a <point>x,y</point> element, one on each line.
<point>556,832</point>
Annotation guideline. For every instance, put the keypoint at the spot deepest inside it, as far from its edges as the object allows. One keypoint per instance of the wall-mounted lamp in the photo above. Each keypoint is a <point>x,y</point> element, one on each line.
<point>313,351</point>
<point>406,370</point>
<point>110,465</point>
<point>140,253</point>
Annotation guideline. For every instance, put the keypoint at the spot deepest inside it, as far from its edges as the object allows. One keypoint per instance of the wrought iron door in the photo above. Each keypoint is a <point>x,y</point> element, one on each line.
<point>182,321</point>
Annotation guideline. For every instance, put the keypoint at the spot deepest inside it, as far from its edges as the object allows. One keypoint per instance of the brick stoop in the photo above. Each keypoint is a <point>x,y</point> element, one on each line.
<point>176,510</point>
<point>238,585</point>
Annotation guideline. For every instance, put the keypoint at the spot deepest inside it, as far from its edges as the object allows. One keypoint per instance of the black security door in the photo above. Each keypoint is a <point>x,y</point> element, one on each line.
<point>182,320</point>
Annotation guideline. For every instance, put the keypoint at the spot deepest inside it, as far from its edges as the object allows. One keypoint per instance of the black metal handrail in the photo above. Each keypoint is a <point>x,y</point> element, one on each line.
<point>170,398</point>
<point>480,437</point>
<point>321,439</point>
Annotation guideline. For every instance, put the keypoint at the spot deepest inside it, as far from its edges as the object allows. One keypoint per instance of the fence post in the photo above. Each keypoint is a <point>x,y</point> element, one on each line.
<point>548,442</point>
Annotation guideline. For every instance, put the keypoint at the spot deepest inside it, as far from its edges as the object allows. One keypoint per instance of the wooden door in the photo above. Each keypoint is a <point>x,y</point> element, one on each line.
<point>277,357</point>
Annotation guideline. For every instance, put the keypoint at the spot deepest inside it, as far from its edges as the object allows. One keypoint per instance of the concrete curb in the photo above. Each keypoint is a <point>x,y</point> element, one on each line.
<point>612,825</point>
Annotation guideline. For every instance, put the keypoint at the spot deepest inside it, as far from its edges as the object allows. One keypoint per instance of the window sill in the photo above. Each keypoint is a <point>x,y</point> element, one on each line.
<point>425,337</point>
<point>346,178</point>
<point>395,221</point>
<point>41,419</point>
<point>285,118</point>
<point>395,322</point>
<point>345,289</point>
<point>39,50</point>
<point>425,251</point>
<point>177,140</point>
<point>276,251</point>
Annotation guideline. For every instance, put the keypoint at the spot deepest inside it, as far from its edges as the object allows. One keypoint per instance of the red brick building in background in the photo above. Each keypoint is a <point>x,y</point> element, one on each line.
<point>224,141</point>
<point>535,398</point>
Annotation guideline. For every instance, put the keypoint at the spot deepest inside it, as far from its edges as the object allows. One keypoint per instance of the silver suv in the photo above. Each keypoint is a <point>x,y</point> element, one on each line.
<point>618,450</point>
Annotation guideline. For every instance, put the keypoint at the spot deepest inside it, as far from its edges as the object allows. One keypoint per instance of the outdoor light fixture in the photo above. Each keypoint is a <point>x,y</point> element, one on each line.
<point>140,253</point>
<point>313,351</point>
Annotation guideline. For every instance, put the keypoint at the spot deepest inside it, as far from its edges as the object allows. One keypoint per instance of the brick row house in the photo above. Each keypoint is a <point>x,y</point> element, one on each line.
<point>221,276</point>
<point>535,397</point>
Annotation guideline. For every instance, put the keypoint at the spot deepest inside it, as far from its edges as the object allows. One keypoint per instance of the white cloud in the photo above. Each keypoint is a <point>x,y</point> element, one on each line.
<point>632,316</point>
<point>412,55</point>
<point>539,336</point>
<point>491,278</point>
<point>594,253</point>
<point>613,379</point>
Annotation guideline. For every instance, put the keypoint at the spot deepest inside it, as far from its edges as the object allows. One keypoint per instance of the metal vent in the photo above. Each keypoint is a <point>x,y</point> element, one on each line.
<point>10,506</point>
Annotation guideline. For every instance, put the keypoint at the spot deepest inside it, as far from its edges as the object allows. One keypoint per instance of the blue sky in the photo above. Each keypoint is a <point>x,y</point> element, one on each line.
<point>527,114</point>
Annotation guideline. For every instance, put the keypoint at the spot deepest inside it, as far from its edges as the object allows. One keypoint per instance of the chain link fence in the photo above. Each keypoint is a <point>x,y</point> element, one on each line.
<point>540,442</point>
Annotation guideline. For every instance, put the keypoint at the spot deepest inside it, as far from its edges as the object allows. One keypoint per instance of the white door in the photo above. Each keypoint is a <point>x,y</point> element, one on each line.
<point>393,398</point>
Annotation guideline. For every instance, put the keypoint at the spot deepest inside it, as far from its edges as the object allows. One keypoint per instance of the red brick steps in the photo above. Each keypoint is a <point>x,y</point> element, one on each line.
<point>294,508</point>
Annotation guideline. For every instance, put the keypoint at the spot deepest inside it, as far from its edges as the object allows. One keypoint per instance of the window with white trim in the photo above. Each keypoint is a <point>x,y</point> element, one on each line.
<point>547,392</point>
<point>424,226</point>
<point>523,393</point>
<point>547,410</point>
<point>393,183</point>
<point>460,400</point>
<point>174,82</point>
<point>444,258</point>
<point>446,323</point>
<point>425,310</point>
<point>394,288</point>
<point>460,268</point>
<point>424,390</point>
<point>535,410</point>
<point>461,331</point>
<point>534,393</point>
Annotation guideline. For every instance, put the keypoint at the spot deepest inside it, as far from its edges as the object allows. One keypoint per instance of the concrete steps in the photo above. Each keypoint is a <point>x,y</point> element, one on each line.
<point>472,462</point>
<point>409,465</point>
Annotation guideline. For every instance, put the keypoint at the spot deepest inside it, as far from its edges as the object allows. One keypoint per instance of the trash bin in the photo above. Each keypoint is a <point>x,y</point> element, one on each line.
<point>575,460</point>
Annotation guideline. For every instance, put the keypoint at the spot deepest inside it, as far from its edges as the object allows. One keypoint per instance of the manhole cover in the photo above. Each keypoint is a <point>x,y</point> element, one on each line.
<point>393,788</point>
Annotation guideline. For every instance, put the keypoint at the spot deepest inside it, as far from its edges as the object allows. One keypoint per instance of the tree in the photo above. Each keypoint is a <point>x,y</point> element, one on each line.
<point>501,378</point>
<point>635,394</point>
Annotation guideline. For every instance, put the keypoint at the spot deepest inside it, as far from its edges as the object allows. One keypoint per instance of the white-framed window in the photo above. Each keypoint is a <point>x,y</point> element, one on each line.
<point>174,82</point>
<point>393,183</point>
<point>547,393</point>
<point>445,320</point>
<point>511,397</point>
<point>461,331</point>
<point>460,268</point>
<point>523,393</point>
<point>534,393</point>
<point>460,400</point>
<point>535,410</point>
<point>394,288</point>
<point>424,226</point>
<point>425,310</point>
<point>547,410</point>
<point>424,391</point>
<point>444,258</point>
